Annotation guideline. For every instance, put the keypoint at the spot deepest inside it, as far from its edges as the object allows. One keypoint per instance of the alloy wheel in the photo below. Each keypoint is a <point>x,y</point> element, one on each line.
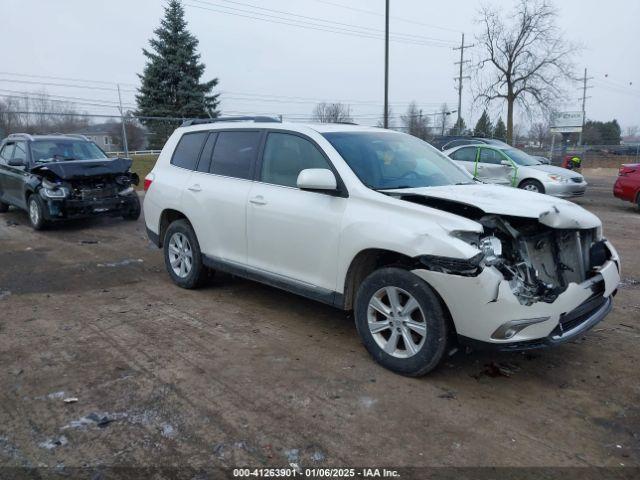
<point>396,322</point>
<point>180,255</point>
<point>34,212</point>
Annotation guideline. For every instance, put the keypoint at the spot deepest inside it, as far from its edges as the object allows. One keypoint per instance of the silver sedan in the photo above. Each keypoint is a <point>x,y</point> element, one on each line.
<point>506,165</point>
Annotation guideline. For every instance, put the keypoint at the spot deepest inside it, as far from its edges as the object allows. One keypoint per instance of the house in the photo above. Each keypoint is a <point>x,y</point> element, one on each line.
<point>102,134</point>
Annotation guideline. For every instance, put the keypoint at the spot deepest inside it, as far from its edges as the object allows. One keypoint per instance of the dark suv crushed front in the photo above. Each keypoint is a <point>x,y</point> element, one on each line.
<point>56,177</point>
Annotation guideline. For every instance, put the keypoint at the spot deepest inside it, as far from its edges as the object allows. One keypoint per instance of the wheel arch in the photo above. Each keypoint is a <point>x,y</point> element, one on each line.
<point>167,217</point>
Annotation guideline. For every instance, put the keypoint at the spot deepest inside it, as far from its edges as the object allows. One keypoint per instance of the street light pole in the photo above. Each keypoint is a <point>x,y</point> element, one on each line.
<point>386,66</point>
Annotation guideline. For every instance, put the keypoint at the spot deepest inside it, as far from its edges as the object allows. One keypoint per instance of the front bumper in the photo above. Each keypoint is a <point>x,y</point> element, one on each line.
<point>565,190</point>
<point>480,305</point>
<point>62,209</point>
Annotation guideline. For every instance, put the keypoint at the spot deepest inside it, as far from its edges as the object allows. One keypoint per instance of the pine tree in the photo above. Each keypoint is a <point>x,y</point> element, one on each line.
<point>501,130</point>
<point>170,83</point>
<point>483,127</point>
<point>459,128</point>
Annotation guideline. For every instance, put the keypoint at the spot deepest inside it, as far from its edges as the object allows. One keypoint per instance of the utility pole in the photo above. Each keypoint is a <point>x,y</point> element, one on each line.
<point>386,66</point>
<point>584,101</point>
<point>124,130</point>
<point>460,78</point>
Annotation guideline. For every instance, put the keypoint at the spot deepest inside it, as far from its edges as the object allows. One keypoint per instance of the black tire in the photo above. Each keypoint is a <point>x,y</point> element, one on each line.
<point>134,212</point>
<point>432,348</point>
<point>37,221</point>
<point>532,185</point>
<point>198,273</point>
<point>4,207</point>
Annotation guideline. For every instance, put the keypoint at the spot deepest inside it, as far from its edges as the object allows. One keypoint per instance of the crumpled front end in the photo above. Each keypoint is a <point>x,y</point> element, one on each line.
<point>534,283</point>
<point>112,195</point>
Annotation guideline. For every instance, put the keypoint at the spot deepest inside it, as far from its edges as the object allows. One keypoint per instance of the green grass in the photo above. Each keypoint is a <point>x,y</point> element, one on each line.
<point>142,165</point>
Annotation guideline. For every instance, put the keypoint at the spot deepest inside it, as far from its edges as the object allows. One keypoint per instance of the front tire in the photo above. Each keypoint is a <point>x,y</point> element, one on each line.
<point>532,185</point>
<point>134,212</point>
<point>182,256</point>
<point>35,208</point>
<point>4,207</point>
<point>401,321</point>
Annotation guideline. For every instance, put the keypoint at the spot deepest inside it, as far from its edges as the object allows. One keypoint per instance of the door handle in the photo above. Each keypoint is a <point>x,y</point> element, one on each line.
<point>258,200</point>
<point>195,188</point>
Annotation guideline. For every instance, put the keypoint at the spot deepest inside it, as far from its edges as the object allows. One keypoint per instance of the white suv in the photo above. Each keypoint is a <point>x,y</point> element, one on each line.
<point>381,223</point>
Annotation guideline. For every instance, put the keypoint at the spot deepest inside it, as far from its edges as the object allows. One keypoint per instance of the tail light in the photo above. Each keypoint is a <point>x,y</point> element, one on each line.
<point>627,169</point>
<point>148,180</point>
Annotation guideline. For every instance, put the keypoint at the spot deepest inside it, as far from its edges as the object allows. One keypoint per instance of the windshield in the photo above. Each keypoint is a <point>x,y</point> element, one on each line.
<point>520,157</point>
<point>387,160</point>
<point>64,149</point>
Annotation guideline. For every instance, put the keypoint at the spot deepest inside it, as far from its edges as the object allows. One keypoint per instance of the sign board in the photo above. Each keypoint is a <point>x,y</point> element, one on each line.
<point>566,122</point>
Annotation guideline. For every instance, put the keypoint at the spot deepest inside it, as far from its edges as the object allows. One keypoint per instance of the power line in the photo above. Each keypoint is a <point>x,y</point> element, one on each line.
<point>86,87</point>
<point>103,82</point>
<point>372,12</point>
<point>317,19</point>
<point>31,97</point>
<point>314,26</point>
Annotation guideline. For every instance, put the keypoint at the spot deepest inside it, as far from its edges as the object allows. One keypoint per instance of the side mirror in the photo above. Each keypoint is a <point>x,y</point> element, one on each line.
<point>506,163</point>
<point>16,162</point>
<point>317,179</point>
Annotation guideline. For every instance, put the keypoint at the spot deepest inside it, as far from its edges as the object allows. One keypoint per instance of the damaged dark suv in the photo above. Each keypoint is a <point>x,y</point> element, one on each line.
<point>57,177</point>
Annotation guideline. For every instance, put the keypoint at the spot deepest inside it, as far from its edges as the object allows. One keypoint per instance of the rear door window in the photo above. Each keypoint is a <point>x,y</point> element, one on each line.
<point>188,150</point>
<point>235,153</point>
<point>466,154</point>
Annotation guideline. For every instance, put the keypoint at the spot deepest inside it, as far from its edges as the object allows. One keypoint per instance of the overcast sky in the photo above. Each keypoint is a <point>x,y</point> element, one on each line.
<point>273,67</point>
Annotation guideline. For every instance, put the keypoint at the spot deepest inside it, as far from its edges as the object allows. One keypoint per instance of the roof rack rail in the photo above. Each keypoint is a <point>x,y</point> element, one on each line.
<point>21,135</point>
<point>202,121</point>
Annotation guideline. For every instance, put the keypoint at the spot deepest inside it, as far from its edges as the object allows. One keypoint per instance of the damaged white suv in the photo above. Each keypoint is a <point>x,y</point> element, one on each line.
<point>381,223</point>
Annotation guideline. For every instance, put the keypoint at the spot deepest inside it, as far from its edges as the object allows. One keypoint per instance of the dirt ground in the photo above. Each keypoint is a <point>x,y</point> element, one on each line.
<point>240,374</point>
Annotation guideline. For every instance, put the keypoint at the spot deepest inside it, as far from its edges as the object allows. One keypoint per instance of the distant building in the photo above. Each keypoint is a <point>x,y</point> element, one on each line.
<point>102,135</point>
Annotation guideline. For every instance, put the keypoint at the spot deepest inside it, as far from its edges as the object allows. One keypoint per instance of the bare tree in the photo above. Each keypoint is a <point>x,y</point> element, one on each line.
<point>332,113</point>
<point>136,133</point>
<point>539,132</point>
<point>524,58</point>
<point>415,122</point>
<point>443,118</point>
<point>45,115</point>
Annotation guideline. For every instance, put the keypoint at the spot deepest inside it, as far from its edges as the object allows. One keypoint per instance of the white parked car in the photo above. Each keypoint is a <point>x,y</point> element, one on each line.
<point>381,223</point>
<point>505,165</point>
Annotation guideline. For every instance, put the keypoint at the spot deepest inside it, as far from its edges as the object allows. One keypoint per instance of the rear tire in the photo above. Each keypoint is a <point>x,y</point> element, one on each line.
<point>532,185</point>
<point>401,321</point>
<point>4,207</point>
<point>134,213</point>
<point>182,256</point>
<point>35,209</point>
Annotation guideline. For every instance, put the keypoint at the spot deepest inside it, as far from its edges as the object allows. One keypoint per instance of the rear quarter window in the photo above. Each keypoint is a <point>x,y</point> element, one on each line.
<point>188,150</point>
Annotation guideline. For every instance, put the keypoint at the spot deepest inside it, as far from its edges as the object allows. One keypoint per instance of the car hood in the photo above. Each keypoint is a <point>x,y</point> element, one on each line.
<point>70,169</point>
<point>555,170</point>
<point>500,200</point>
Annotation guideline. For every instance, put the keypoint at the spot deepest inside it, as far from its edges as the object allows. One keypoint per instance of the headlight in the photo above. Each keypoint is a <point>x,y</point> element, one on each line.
<point>557,178</point>
<point>126,191</point>
<point>53,190</point>
<point>491,247</point>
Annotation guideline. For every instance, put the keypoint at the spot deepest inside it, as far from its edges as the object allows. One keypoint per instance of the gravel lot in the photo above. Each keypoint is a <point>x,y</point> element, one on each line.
<point>242,374</point>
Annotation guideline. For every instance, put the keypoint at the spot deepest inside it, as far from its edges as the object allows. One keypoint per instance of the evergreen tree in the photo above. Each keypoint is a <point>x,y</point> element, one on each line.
<point>170,83</point>
<point>501,130</point>
<point>483,127</point>
<point>459,128</point>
